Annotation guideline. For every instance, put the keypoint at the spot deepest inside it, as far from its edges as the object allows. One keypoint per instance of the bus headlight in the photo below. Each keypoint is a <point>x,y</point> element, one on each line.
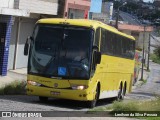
<point>33,83</point>
<point>79,87</point>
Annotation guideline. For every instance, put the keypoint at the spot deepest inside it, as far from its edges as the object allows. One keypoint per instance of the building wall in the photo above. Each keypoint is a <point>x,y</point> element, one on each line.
<point>24,27</point>
<point>77,6</point>
<point>6,3</point>
<point>4,63</point>
<point>28,7</point>
<point>140,40</point>
<point>74,13</point>
<point>38,6</point>
<point>127,32</point>
<point>12,45</point>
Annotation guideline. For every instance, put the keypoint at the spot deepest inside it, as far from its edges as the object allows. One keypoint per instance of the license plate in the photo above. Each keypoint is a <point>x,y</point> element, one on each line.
<point>55,93</point>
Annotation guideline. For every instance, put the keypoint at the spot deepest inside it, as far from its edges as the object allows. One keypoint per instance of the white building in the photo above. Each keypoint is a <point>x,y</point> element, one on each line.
<point>17,20</point>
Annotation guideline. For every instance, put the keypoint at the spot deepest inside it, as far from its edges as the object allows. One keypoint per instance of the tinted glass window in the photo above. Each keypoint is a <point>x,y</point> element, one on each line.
<point>61,52</point>
<point>103,41</point>
<point>97,38</point>
<point>116,45</point>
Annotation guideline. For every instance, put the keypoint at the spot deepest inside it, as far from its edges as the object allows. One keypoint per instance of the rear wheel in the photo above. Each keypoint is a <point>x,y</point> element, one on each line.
<point>121,94</point>
<point>92,104</point>
<point>124,90</point>
<point>43,99</point>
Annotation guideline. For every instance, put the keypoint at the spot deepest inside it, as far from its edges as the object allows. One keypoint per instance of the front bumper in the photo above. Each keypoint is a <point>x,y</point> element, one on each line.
<point>81,95</point>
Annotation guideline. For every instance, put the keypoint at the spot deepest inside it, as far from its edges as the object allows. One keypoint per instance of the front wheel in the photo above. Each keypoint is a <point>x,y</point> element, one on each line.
<point>92,104</point>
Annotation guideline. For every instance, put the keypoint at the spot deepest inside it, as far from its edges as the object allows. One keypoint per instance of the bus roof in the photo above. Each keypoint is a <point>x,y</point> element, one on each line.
<point>83,22</point>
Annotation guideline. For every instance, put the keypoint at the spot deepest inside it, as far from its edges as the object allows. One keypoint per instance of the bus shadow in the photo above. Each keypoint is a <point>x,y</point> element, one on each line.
<point>76,105</point>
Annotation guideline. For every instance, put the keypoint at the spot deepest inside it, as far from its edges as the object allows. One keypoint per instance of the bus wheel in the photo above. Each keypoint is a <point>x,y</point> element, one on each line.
<point>92,104</point>
<point>43,99</point>
<point>120,95</point>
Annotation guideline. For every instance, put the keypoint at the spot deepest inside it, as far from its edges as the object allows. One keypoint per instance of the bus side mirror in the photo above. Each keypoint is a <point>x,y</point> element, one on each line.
<point>98,57</point>
<point>26,46</point>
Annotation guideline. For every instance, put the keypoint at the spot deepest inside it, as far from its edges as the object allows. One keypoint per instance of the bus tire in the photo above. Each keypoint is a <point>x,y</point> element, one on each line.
<point>92,104</point>
<point>120,95</point>
<point>43,99</point>
<point>124,89</point>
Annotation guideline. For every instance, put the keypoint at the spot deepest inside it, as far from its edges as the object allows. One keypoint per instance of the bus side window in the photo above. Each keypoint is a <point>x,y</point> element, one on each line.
<point>114,44</point>
<point>110,43</point>
<point>132,49</point>
<point>97,37</point>
<point>124,47</point>
<point>103,43</point>
<point>96,42</point>
<point>118,45</point>
<point>93,67</point>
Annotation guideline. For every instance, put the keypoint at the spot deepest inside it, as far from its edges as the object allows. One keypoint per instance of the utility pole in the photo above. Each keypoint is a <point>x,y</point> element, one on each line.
<point>149,43</point>
<point>117,18</point>
<point>117,15</point>
<point>143,53</point>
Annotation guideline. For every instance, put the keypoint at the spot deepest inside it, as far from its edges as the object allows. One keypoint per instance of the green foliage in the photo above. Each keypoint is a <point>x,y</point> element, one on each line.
<point>13,88</point>
<point>152,105</point>
<point>157,52</point>
<point>120,106</point>
<point>155,58</point>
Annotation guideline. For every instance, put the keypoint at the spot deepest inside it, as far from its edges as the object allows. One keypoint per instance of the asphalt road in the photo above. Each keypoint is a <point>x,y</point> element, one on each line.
<point>151,89</point>
<point>32,103</point>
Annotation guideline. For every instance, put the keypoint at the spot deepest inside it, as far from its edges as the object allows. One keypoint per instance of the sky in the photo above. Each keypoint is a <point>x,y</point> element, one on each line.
<point>148,0</point>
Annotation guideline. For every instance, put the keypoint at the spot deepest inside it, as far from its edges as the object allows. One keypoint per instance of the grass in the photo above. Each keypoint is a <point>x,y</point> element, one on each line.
<point>155,58</point>
<point>14,88</point>
<point>133,106</point>
<point>129,106</point>
<point>150,105</point>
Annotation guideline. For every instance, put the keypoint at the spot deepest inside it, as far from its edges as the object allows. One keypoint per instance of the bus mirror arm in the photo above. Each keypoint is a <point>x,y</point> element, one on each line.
<point>98,57</point>
<point>95,47</point>
<point>26,46</point>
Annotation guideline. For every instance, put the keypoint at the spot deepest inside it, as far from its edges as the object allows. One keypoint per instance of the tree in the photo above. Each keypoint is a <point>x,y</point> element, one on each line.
<point>157,51</point>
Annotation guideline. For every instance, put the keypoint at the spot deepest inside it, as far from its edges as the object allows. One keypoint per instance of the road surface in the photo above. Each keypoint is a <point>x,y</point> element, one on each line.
<point>151,89</point>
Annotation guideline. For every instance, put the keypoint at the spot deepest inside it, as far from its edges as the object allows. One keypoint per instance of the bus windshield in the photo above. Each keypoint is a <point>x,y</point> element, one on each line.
<point>58,51</point>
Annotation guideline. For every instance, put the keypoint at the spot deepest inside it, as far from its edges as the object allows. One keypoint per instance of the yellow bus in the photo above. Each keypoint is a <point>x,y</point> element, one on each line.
<point>79,59</point>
